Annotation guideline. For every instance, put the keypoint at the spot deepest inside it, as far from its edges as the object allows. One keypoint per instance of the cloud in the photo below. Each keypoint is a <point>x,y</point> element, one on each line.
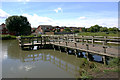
<point>37,20</point>
<point>23,0</point>
<point>81,18</point>
<point>3,14</point>
<point>58,9</point>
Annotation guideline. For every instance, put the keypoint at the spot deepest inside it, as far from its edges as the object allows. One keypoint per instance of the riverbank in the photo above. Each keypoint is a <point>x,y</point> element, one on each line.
<point>97,70</point>
<point>116,34</point>
<point>7,37</point>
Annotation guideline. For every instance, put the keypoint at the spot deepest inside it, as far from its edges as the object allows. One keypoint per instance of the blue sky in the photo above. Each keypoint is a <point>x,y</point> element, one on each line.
<point>80,14</point>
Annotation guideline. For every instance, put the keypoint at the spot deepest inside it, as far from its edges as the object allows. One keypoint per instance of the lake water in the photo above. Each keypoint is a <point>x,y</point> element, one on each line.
<point>43,63</point>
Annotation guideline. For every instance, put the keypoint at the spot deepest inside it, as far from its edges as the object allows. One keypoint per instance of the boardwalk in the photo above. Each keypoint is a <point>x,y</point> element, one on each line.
<point>73,43</point>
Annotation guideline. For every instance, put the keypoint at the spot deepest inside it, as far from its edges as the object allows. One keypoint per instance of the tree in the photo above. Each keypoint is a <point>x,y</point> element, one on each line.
<point>113,29</point>
<point>84,29</point>
<point>76,31</point>
<point>95,28</point>
<point>67,30</point>
<point>104,29</point>
<point>18,25</point>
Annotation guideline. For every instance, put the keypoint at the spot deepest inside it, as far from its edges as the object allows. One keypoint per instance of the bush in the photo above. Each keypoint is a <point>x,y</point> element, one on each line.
<point>114,62</point>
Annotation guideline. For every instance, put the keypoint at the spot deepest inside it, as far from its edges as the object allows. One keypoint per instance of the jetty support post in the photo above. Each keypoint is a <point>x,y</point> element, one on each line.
<point>87,53</point>
<point>54,47</point>
<point>60,49</point>
<point>75,51</point>
<point>104,60</point>
<point>66,50</point>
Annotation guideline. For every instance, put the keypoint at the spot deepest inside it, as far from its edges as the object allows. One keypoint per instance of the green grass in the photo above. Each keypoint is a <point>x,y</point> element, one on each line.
<point>98,34</point>
<point>114,62</point>
<point>89,69</point>
<point>5,37</point>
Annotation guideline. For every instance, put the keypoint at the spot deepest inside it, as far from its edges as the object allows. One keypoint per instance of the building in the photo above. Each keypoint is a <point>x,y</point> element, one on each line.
<point>3,29</point>
<point>42,29</point>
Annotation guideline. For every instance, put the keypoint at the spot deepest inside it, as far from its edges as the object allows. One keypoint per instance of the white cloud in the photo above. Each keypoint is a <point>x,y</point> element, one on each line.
<point>36,20</point>
<point>23,0</point>
<point>3,14</point>
<point>82,18</point>
<point>58,9</point>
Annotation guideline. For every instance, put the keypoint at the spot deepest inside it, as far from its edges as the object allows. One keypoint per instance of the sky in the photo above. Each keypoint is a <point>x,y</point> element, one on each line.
<point>75,14</point>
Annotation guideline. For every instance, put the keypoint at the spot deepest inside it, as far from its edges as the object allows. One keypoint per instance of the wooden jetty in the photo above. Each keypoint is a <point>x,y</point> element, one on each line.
<point>75,44</point>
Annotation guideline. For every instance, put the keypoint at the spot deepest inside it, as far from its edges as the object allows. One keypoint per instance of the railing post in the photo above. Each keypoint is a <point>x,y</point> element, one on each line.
<point>87,46</point>
<point>105,40</point>
<point>29,40</point>
<point>59,39</point>
<point>93,41</point>
<point>41,40</point>
<point>104,47</point>
<point>82,40</point>
<point>75,44</point>
<point>53,39</point>
<point>45,40</point>
<point>37,39</point>
<point>32,41</point>
<point>86,41</point>
<point>22,42</point>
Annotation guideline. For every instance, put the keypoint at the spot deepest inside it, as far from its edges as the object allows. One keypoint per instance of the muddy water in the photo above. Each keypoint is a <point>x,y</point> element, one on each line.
<point>43,63</point>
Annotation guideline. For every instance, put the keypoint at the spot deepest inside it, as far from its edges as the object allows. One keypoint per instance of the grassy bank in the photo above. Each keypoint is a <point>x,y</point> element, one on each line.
<point>7,37</point>
<point>99,34</point>
<point>97,70</point>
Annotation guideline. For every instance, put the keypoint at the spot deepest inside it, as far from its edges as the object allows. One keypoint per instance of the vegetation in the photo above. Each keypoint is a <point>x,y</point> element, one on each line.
<point>6,37</point>
<point>99,34</point>
<point>18,25</point>
<point>98,70</point>
<point>67,30</point>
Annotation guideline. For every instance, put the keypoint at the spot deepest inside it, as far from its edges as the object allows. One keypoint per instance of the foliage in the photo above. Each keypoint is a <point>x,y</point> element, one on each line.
<point>113,29</point>
<point>98,34</point>
<point>114,62</point>
<point>67,30</point>
<point>103,29</point>
<point>27,36</point>
<point>5,37</point>
<point>95,28</point>
<point>84,29</point>
<point>18,25</point>
<point>76,31</point>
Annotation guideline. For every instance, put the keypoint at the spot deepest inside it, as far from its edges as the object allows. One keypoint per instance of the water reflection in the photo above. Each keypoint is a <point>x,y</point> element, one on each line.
<point>37,64</point>
<point>52,59</point>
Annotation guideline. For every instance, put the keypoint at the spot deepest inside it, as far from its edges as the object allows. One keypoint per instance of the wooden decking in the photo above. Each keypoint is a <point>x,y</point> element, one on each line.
<point>84,44</point>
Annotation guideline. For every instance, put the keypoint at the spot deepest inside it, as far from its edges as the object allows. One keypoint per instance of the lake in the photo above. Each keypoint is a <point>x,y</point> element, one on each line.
<point>43,63</point>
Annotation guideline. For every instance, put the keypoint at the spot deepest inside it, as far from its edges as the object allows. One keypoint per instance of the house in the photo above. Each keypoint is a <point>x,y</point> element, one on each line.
<point>43,29</point>
<point>4,30</point>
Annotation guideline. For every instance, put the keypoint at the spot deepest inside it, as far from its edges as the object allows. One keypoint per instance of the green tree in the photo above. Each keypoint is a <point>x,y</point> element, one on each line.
<point>104,29</point>
<point>84,29</point>
<point>113,29</point>
<point>18,25</point>
<point>67,30</point>
<point>95,28</point>
<point>76,31</point>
